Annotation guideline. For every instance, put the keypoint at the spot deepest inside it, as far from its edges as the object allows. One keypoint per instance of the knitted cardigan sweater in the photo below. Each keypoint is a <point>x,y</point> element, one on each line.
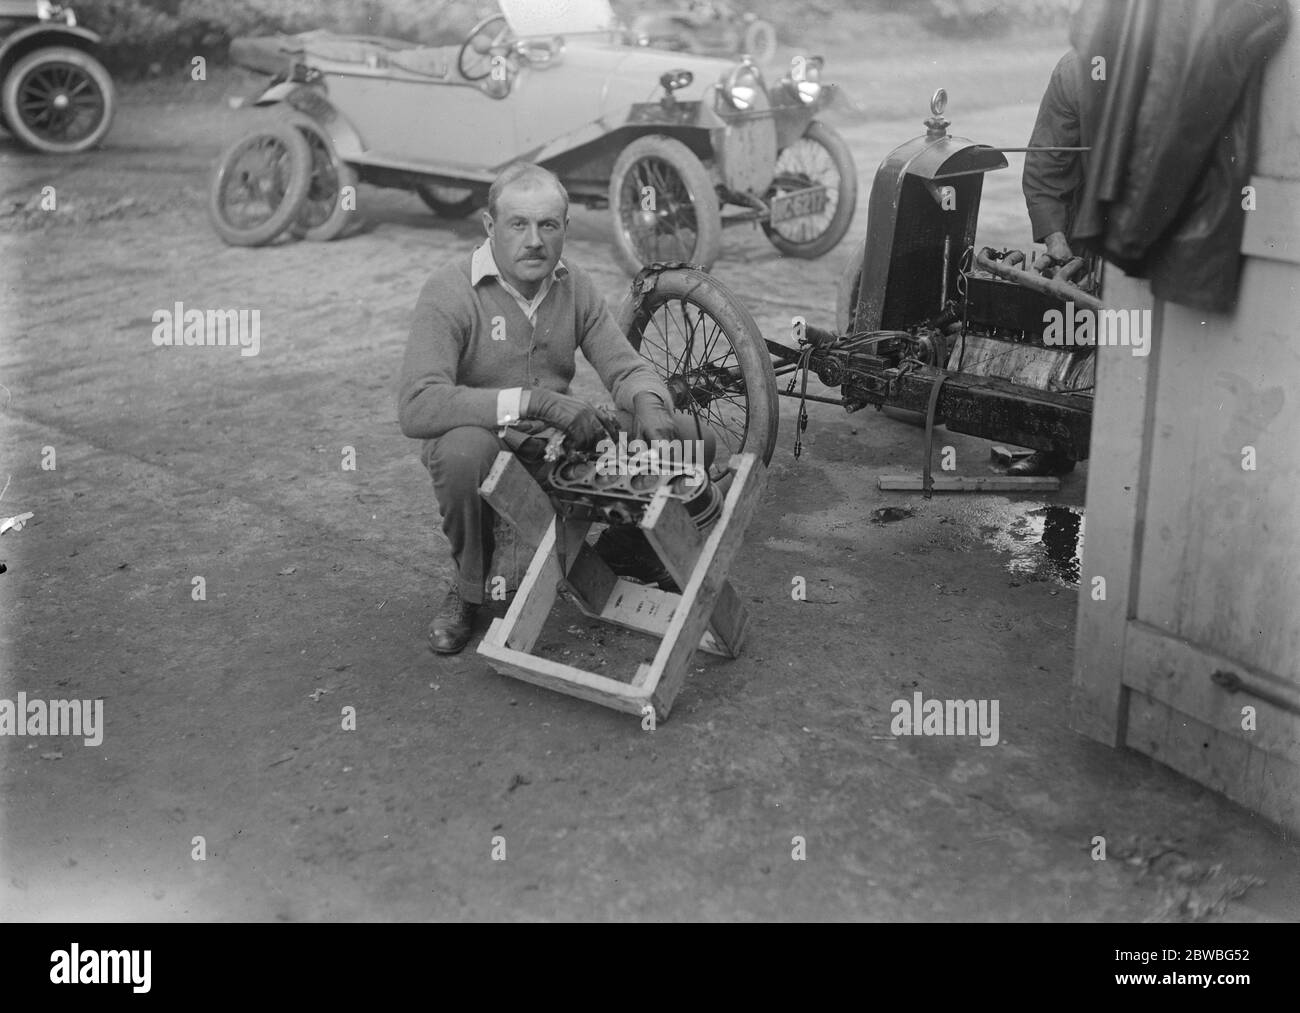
<point>469,342</point>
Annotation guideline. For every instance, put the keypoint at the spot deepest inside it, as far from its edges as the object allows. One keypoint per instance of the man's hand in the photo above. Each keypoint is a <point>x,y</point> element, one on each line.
<point>1057,248</point>
<point>578,419</point>
<point>653,420</point>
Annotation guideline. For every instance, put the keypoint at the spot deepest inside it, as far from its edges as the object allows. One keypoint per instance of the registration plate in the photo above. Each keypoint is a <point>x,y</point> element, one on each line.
<point>798,204</point>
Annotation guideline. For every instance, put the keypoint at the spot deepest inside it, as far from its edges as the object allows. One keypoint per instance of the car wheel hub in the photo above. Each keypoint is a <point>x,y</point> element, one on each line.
<point>60,101</point>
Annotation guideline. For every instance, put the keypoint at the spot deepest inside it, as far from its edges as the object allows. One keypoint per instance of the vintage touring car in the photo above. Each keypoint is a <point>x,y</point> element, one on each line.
<point>55,96</point>
<point>678,146</point>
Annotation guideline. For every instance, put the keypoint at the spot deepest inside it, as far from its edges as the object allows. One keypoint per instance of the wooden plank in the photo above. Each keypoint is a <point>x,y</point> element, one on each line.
<point>678,542</point>
<point>591,581</point>
<point>1273,229</point>
<point>649,610</point>
<point>537,591</point>
<point>1120,448</point>
<point>664,676</point>
<point>1178,673</point>
<point>1267,784</point>
<point>510,558</point>
<point>974,483</point>
<point>1277,139</point>
<point>515,495</point>
<point>536,596</point>
<point>561,678</point>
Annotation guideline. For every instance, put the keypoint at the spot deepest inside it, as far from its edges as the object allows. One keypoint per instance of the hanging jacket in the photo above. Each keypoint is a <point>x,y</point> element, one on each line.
<point>1176,114</point>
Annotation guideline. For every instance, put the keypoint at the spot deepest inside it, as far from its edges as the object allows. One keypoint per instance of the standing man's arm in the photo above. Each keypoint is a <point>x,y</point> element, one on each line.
<point>1052,179</point>
<point>431,402</point>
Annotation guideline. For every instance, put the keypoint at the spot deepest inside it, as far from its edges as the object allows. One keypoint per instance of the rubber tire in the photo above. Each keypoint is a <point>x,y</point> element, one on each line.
<point>339,219</point>
<point>760,41</point>
<point>64,54</point>
<point>294,196</point>
<point>846,289</point>
<point>709,294</point>
<point>842,156</point>
<point>443,209</point>
<point>699,185</point>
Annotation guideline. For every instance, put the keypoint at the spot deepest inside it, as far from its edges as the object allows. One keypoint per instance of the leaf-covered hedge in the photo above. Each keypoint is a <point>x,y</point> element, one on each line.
<point>139,34</point>
<point>143,34</point>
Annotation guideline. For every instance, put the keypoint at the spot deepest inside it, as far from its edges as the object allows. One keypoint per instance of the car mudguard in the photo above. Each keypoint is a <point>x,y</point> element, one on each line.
<point>312,101</point>
<point>21,41</point>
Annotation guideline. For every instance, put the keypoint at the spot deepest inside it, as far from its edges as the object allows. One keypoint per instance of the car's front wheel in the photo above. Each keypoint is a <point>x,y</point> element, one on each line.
<point>665,206</point>
<point>820,158</point>
<point>260,184</point>
<point>706,347</point>
<point>326,211</point>
<point>58,100</point>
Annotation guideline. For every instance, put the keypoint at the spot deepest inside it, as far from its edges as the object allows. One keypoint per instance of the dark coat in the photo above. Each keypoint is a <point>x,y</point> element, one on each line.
<point>1175,140</point>
<point>1053,180</point>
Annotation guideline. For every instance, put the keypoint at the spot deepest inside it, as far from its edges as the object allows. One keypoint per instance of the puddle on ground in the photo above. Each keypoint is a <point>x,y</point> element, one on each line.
<point>1043,541</point>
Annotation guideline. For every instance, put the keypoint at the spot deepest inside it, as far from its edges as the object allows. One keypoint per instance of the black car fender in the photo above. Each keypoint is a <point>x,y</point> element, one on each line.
<point>23,41</point>
<point>311,100</point>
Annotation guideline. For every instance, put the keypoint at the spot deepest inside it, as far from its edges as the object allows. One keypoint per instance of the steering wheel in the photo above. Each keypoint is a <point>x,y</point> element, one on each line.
<point>486,51</point>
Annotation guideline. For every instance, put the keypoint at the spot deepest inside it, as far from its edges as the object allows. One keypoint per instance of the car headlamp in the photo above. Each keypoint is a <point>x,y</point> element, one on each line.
<point>807,78</point>
<point>742,86</point>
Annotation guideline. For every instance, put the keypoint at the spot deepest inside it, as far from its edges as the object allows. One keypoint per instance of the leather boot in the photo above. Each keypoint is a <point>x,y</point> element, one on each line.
<point>454,623</point>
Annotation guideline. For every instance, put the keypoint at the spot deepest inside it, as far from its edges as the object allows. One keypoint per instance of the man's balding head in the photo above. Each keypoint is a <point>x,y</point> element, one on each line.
<point>524,175</point>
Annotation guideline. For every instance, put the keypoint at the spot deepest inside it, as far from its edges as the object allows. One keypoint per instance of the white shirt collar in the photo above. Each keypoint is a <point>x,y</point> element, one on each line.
<point>484,265</point>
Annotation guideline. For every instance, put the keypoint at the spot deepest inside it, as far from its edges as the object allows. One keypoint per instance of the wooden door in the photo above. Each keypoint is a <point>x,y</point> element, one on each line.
<point>1193,654</point>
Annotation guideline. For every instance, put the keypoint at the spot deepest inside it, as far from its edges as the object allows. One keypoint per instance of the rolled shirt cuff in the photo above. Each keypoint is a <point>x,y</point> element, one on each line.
<point>509,406</point>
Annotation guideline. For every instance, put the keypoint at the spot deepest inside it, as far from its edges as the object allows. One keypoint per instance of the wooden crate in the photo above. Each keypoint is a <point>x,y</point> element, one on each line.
<point>706,615</point>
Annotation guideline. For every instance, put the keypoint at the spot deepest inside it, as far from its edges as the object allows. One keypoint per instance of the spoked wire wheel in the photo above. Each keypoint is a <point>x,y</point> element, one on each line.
<point>710,354</point>
<point>260,184</point>
<point>323,215</point>
<point>819,158</point>
<point>664,204</point>
<point>58,100</point>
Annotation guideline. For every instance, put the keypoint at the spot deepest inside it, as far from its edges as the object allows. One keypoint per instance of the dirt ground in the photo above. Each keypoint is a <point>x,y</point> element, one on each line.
<point>223,716</point>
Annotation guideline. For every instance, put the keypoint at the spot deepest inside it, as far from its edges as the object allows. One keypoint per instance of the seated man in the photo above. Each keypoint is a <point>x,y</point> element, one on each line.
<point>492,343</point>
